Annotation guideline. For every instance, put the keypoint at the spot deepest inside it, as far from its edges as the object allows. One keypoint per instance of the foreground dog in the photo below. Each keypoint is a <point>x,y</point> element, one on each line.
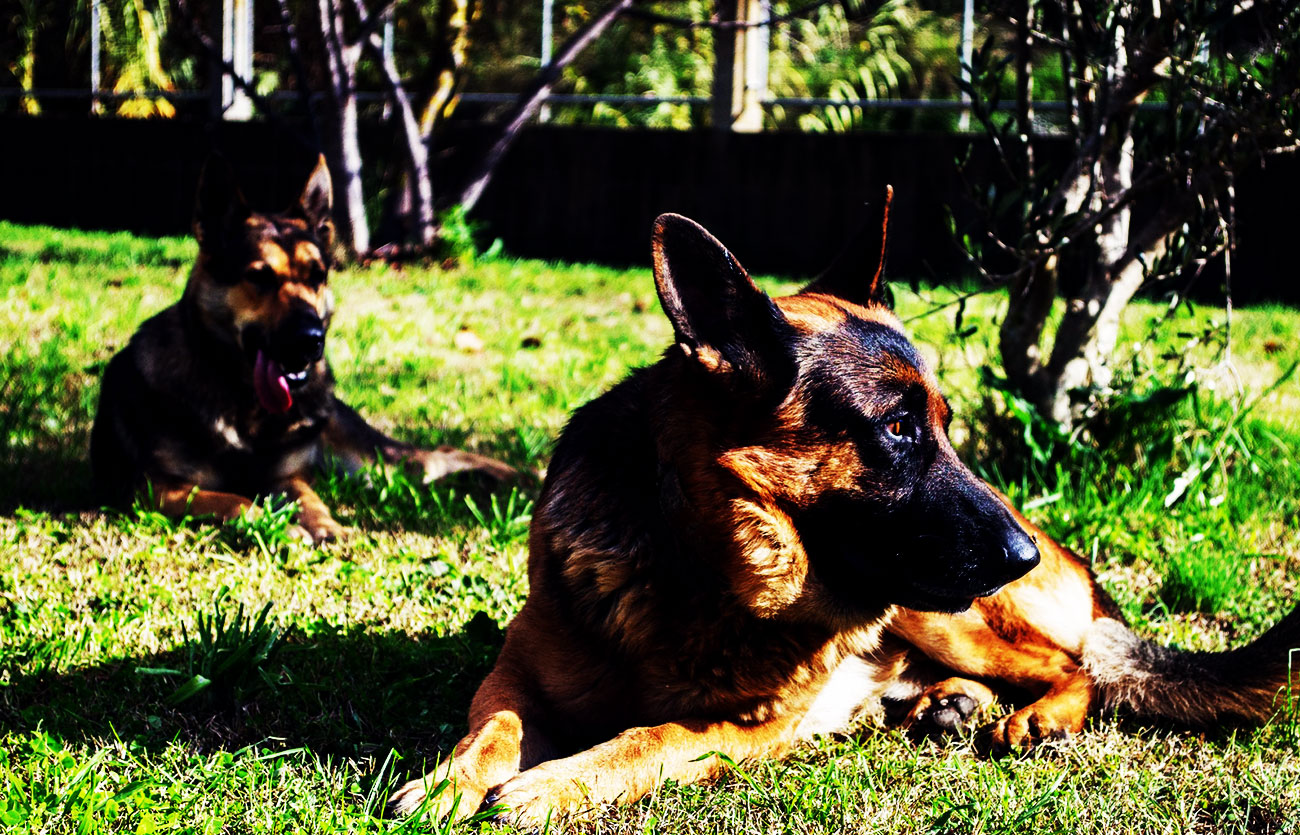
<point>227,394</point>
<point>725,545</point>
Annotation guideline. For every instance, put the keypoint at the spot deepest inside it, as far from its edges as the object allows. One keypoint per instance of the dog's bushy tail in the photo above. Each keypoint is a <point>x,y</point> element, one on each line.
<point>1250,683</point>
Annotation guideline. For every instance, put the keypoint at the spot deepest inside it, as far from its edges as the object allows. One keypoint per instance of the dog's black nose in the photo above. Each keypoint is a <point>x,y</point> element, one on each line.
<point>1020,552</point>
<point>302,340</point>
<point>312,341</point>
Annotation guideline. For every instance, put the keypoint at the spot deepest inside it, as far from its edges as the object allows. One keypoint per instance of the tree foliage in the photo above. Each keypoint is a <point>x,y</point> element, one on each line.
<point>1165,103</point>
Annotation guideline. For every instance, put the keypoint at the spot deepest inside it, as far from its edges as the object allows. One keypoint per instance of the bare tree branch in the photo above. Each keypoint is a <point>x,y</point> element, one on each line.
<point>369,22</point>
<point>530,100</point>
<point>727,25</point>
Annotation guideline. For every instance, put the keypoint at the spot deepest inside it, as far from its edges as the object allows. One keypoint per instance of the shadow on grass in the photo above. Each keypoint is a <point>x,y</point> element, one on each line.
<point>48,479</point>
<point>350,693</point>
<point>45,415</point>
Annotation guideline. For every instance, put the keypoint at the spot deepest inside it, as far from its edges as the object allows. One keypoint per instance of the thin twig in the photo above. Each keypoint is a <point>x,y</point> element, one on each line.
<point>727,25</point>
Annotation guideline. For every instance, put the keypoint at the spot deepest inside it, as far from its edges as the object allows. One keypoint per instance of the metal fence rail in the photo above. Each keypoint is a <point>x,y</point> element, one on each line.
<point>560,99</point>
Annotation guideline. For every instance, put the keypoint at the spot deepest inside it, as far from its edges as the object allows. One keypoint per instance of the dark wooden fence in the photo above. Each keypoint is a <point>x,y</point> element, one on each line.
<point>784,202</point>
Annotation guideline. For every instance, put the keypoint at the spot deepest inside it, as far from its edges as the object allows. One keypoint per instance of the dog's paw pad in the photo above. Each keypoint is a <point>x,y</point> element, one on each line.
<point>946,715</point>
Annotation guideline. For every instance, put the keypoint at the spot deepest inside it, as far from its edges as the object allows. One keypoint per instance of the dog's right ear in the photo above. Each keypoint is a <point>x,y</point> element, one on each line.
<point>858,273</point>
<point>720,317</point>
<point>220,206</point>
<point>317,203</point>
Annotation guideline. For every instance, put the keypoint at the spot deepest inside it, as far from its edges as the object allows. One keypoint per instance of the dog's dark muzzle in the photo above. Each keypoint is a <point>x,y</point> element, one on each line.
<point>300,341</point>
<point>969,544</point>
<point>978,568</point>
<point>999,549</point>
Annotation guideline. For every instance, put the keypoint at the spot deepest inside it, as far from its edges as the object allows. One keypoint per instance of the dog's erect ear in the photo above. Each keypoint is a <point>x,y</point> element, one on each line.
<point>720,317</point>
<point>858,273</point>
<point>219,206</point>
<point>317,203</point>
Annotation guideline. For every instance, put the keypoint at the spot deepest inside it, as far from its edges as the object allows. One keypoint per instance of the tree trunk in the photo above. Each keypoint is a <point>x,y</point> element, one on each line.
<point>355,230</point>
<point>345,159</point>
<point>30,28</point>
<point>417,152</point>
<point>1089,328</point>
<point>1025,86</point>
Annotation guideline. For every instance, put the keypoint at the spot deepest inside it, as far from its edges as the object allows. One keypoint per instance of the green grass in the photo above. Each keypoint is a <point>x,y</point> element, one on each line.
<point>364,665</point>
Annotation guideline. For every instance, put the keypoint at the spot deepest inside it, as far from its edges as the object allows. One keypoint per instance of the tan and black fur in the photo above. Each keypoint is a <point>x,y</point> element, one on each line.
<point>227,395</point>
<point>752,540</point>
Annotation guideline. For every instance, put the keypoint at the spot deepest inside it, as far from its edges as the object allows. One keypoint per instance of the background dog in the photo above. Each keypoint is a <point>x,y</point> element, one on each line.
<point>227,393</point>
<point>725,545</point>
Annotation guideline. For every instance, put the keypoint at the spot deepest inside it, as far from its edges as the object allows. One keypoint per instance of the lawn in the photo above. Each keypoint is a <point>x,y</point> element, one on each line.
<point>177,676</point>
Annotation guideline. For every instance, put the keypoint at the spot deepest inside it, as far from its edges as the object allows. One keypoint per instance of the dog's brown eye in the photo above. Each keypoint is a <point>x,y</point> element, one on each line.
<point>900,429</point>
<point>316,277</point>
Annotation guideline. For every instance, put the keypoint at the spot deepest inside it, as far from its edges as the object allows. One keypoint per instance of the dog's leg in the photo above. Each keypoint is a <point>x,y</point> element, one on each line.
<point>502,739</point>
<point>433,464</point>
<point>355,443</point>
<point>1061,711</point>
<point>180,499</point>
<point>634,763</point>
<point>967,645</point>
<point>314,519</point>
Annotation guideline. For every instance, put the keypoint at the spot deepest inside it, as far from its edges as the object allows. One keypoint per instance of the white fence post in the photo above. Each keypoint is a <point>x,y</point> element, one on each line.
<point>967,55</point>
<point>95,70</point>
<point>548,23</point>
<point>237,51</point>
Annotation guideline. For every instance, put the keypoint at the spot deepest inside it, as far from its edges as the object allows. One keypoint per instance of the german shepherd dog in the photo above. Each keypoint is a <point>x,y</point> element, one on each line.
<point>767,531</point>
<point>227,394</point>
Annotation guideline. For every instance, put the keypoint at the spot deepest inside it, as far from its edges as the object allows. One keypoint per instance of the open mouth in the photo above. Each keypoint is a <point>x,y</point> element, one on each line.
<point>273,385</point>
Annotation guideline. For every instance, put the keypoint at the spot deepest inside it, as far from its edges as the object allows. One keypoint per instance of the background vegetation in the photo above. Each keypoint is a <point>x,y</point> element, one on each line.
<point>159,675</point>
<point>900,49</point>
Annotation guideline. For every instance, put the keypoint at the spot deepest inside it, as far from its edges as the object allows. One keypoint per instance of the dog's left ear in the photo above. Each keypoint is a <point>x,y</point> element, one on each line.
<point>720,317</point>
<point>219,206</point>
<point>858,273</point>
<point>317,203</point>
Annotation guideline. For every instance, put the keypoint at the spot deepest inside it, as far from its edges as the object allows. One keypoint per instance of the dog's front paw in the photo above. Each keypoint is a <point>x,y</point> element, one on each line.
<point>1025,729</point>
<point>318,529</point>
<point>436,796</point>
<point>947,707</point>
<point>941,715</point>
<point>536,798</point>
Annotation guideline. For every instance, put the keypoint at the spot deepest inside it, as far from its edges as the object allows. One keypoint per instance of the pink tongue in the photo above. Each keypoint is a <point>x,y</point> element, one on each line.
<point>269,384</point>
